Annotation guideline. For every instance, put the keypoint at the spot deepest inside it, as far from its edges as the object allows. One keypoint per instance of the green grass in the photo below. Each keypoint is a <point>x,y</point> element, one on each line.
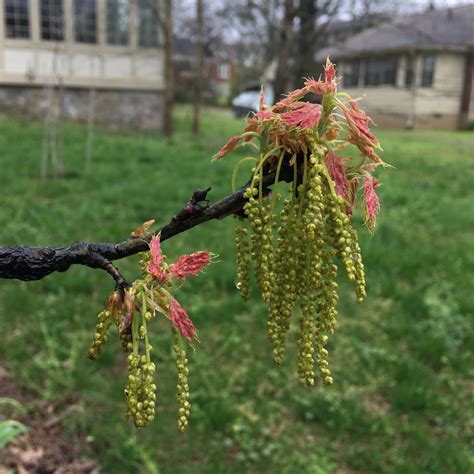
<point>402,360</point>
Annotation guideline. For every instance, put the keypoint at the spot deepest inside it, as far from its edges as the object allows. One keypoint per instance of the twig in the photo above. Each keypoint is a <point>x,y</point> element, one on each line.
<point>35,263</point>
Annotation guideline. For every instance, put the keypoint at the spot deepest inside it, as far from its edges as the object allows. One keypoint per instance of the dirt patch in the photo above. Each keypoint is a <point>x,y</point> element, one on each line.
<point>43,449</point>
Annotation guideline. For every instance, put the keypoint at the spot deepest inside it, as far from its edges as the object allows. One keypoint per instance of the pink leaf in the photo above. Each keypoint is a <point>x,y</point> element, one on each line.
<point>337,172</point>
<point>321,87</point>
<point>291,98</point>
<point>359,122</point>
<point>190,265</point>
<point>231,144</point>
<point>181,320</point>
<point>329,71</point>
<point>371,201</point>
<point>263,115</point>
<point>304,115</point>
<point>156,258</point>
<point>261,100</point>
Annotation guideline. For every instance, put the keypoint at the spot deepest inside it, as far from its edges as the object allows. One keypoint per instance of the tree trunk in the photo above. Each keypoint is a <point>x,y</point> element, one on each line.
<point>286,41</point>
<point>305,65</point>
<point>198,79</point>
<point>90,130</point>
<point>169,72</point>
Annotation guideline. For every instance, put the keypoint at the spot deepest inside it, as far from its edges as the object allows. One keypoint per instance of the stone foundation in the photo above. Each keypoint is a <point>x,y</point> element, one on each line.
<point>117,108</point>
<point>422,122</point>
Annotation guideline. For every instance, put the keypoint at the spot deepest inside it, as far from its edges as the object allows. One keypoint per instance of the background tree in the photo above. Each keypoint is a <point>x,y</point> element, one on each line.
<point>167,28</point>
<point>198,79</point>
<point>286,43</point>
<point>314,18</point>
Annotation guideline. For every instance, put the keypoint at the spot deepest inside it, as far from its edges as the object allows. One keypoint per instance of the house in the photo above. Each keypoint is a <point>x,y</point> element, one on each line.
<point>111,46</point>
<point>416,71</point>
<point>220,67</point>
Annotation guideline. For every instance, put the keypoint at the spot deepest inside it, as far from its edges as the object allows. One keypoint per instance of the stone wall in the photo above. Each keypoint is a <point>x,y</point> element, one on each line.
<point>125,109</point>
<point>422,122</point>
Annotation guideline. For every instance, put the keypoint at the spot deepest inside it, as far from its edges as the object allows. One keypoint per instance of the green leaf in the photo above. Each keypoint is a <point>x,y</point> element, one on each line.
<point>9,430</point>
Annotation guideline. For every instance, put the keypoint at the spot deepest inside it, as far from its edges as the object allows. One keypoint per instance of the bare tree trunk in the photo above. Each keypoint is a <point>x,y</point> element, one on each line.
<point>305,62</point>
<point>53,142</point>
<point>90,130</point>
<point>48,92</point>
<point>199,66</point>
<point>169,72</point>
<point>59,145</point>
<point>286,42</point>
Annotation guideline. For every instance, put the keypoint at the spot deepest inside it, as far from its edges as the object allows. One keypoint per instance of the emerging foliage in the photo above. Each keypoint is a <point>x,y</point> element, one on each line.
<point>295,238</point>
<point>132,309</point>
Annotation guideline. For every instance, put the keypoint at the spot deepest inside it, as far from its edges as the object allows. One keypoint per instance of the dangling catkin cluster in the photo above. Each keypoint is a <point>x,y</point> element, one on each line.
<point>296,242</point>
<point>182,387</point>
<point>132,308</point>
<point>242,251</point>
<point>299,264</point>
<point>101,334</point>
<point>141,389</point>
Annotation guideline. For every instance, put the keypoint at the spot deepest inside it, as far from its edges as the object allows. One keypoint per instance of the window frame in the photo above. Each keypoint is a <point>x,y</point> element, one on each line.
<point>45,19</point>
<point>82,30</point>
<point>115,36</point>
<point>410,71</point>
<point>351,70</point>
<point>427,73</point>
<point>381,71</point>
<point>16,30</point>
<point>146,39</point>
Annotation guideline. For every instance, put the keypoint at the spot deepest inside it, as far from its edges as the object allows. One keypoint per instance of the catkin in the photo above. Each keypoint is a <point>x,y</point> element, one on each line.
<point>294,257</point>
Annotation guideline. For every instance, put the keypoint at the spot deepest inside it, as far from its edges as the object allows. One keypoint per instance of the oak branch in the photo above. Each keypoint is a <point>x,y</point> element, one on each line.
<point>35,263</point>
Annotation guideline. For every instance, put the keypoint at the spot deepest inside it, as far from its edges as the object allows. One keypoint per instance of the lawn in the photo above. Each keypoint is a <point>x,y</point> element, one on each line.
<point>403,364</point>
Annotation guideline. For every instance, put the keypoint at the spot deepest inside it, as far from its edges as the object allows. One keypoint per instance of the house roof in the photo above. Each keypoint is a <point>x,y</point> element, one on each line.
<point>451,28</point>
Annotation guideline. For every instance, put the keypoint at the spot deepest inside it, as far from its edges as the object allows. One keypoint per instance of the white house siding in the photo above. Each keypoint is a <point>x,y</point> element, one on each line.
<point>419,107</point>
<point>128,79</point>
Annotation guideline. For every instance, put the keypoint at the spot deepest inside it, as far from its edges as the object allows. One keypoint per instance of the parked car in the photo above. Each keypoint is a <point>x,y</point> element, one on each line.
<point>248,100</point>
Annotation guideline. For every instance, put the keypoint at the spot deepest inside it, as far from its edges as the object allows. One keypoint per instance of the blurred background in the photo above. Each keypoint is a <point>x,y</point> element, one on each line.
<point>110,111</point>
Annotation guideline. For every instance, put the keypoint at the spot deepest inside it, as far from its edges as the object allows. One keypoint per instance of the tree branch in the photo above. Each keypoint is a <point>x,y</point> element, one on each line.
<point>35,263</point>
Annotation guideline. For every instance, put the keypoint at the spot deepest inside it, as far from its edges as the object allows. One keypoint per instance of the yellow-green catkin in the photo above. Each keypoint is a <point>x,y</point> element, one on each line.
<point>279,288</point>
<point>298,264</point>
<point>141,388</point>
<point>261,219</point>
<point>306,342</point>
<point>326,312</point>
<point>242,251</point>
<point>343,239</point>
<point>358,266</point>
<point>288,254</point>
<point>101,334</point>
<point>182,387</point>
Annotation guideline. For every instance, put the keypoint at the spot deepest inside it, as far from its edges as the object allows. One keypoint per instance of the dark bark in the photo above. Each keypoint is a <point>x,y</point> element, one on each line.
<point>305,62</point>
<point>315,19</point>
<point>282,73</point>
<point>167,27</point>
<point>35,263</point>
<point>198,79</point>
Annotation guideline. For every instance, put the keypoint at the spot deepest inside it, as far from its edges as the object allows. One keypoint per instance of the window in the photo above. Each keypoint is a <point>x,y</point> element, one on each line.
<point>118,20</point>
<point>52,20</point>
<point>147,31</point>
<point>379,71</point>
<point>85,21</point>
<point>224,71</point>
<point>409,70</point>
<point>427,72</point>
<point>351,73</point>
<point>17,22</point>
